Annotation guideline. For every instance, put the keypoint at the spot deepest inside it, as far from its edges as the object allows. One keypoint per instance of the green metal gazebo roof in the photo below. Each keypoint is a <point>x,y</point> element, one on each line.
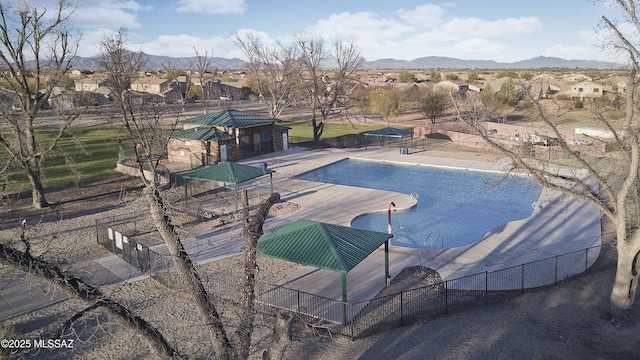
<point>227,173</point>
<point>209,134</point>
<point>389,132</point>
<point>230,119</point>
<point>332,247</point>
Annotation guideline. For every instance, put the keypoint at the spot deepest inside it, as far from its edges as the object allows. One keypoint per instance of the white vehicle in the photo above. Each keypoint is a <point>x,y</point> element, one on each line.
<point>16,107</point>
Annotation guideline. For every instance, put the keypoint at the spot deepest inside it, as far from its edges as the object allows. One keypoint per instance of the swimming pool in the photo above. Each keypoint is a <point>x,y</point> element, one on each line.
<point>455,207</point>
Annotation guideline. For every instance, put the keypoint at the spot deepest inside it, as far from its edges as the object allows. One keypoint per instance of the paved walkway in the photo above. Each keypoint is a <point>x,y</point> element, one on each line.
<point>560,225</point>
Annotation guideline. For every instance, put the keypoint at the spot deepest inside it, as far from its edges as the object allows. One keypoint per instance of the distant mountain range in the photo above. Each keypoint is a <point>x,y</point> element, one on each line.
<point>539,62</point>
<point>429,62</point>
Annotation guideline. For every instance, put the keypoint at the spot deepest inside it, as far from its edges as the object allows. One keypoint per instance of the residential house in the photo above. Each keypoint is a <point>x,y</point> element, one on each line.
<point>76,73</point>
<point>578,77</point>
<point>152,85</point>
<point>89,84</point>
<point>61,99</point>
<point>228,135</point>
<point>474,88</point>
<point>451,86</point>
<point>586,89</point>
<point>543,77</point>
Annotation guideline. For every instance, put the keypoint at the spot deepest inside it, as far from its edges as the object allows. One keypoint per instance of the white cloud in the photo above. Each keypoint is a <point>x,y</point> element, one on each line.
<point>184,45</point>
<point>360,26</point>
<point>426,16</point>
<point>212,6</point>
<point>91,39</point>
<point>260,35</point>
<point>108,14</point>
<point>458,28</point>
<point>423,29</point>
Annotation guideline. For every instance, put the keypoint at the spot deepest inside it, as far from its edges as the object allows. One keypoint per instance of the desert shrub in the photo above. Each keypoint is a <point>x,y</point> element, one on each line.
<point>7,332</point>
<point>506,73</point>
<point>406,77</point>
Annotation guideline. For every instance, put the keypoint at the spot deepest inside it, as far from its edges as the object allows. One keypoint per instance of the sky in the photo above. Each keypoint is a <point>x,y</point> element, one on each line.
<point>500,30</point>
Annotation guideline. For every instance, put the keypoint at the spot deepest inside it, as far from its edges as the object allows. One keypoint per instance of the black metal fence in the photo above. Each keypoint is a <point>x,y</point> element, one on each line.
<point>117,234</point>
<point>340,142</point>
<point>360,141</point>
<point>428,302</point>
<point>357,320</point>
<point>383,313</point>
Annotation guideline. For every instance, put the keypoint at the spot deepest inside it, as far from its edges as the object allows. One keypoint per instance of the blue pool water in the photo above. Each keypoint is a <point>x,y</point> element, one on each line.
<point>455,207</point>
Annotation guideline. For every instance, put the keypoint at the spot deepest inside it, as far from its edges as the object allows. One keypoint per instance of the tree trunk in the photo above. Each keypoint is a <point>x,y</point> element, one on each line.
<point>280,337</point>
<point>37,191</point>
<point>626,280</point>
<point>222,346</point>
<point>317,129</point>
<point>252,229</point>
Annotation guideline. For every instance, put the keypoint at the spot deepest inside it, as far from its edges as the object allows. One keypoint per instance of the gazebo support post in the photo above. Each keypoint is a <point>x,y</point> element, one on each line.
<point>387,278</point>
<point>271,182</point>
<point>344,298</point>
<point>386,263</point>
<point>235,195</point>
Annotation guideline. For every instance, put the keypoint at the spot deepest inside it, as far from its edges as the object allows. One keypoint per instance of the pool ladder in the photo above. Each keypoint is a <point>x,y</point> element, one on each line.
<point>432,243</point>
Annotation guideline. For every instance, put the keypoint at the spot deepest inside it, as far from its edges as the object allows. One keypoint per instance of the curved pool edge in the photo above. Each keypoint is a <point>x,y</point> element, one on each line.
<point>453,263</point>
<point>564,226</point>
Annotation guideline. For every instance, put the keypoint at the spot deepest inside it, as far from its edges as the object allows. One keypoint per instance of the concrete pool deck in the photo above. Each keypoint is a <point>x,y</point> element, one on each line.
<point>560,226</point>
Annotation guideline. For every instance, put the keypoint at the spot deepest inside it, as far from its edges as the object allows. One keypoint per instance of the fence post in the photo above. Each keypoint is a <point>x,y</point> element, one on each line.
<point>149,260</point>
<point>446,297</point>
<point>352,323</point>
<point>555,275</point>
<point>486,287</point>
<point>522,280</point>
<point>401,308</point>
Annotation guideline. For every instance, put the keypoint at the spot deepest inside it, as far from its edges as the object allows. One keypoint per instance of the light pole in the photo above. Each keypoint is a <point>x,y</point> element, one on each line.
<point>386,245</point>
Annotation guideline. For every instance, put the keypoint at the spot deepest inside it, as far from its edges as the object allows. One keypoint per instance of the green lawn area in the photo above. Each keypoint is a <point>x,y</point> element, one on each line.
<point>99,155</point>
<point>96,161</point>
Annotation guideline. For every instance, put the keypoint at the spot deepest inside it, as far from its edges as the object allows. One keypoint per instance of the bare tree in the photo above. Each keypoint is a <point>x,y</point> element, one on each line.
<point>174,74</point>
<point>120,65</point>
<point>326,77</point>
<point>615,172</point>
<point>274,69</point>
<point>206,76</point>
<point>36,50</point>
